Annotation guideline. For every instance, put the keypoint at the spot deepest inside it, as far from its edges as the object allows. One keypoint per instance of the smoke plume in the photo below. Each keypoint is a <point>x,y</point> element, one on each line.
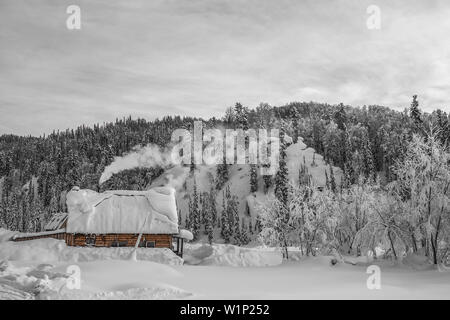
<point>140,157</point>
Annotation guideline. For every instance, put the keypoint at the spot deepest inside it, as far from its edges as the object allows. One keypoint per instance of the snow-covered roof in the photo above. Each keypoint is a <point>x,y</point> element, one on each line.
<point>153,211</point>
<point>37,234</point>
<point>56,221</point>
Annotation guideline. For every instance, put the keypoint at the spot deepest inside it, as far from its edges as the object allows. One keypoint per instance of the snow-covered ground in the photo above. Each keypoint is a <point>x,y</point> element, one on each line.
<point>41,269</point>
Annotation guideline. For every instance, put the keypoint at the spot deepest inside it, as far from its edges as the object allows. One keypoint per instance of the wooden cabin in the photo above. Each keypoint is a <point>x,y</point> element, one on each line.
<point>117,219</point>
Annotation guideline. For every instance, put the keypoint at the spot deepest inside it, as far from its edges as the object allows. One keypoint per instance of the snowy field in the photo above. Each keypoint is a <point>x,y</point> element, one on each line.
<point>39,269</point>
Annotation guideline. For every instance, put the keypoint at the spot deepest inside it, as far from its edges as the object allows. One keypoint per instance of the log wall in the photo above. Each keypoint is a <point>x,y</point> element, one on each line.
<point>109,240</point>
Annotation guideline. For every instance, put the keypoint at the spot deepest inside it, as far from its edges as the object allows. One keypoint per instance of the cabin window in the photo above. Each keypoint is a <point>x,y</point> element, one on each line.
<point>150,244</point>
<point>116,243</point>
<point>90,241</point>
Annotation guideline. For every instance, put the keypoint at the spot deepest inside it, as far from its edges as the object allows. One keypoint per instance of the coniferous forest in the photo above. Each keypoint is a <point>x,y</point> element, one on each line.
<point>376,148</point>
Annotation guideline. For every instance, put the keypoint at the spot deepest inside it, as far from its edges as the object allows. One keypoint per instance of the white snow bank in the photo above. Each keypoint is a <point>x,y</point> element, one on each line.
<point>25,283</point>
<point>114,279</point>
<point>100,280</point>
<point>230,255</point>
<point>153,211</point>
<point>186,234</point>
<point>6,235</point>
<point>152,293</point>
<point>37,234</point>
<point>52,250</point>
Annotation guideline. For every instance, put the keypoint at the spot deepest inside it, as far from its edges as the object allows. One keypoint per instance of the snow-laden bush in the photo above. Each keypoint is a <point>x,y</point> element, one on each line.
<point>309,221</point>
<point>422,193</point>
<point>410,215</point>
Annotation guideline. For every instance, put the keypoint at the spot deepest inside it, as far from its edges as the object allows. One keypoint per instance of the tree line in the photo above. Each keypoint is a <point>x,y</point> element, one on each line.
<point>367,142</point>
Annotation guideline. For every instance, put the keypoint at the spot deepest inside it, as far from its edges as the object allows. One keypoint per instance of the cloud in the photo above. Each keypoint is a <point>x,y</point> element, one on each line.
<point>152,58</point>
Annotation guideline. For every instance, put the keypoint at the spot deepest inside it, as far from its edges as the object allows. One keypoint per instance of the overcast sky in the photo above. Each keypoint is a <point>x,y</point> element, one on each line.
<point>159,57</point>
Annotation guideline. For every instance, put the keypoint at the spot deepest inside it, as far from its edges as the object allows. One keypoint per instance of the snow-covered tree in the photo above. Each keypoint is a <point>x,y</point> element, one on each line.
<point>423,185</point>
<point>382,227</point>
<point>194,212</point>
<point>414,111</point>
<point>281,177</point>
<point>356,209</point>
<point>276,229</point>
<point>245,238</point>
<point>267,180</point>
<point>221,175</point>
<point>241,116</point>
<point>232,214</point>
<point>212,205</point>
<point>314,217</point>
<point>226,230</point>
<point>295,124</point>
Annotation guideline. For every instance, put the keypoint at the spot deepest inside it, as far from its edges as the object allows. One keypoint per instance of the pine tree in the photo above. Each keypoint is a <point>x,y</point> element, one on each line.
<point>245,239</point>
<point>281,177</point>
<point>340,117</point>
<point>212,205</point>
<point>267,181</point>
<point>237,236</point>
<point>443,127</point>
<point>210,233</point>
<point>253,178</point>
<point>368,162</point>
<point>208,217</point>
<point>232,213</point>
<point>224,219</point>
<point>258,225</point>
<point>194,214</point>
<point>295,124</point>
<point>414,112</point>
<point>221,175</point>
<point>187,221</point>
<point>236,221</point>
<point>241,115</point>
<point>348,171</point>
<point>332,179</point>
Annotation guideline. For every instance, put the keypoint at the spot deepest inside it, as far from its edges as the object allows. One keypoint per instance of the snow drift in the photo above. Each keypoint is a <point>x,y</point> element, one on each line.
<point>231,256</point>
<point>47,281</point>
<point>52,250</point>
<point>6,235</point>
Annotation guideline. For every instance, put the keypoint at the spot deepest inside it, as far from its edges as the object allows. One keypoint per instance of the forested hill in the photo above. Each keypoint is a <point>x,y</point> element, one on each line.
<point>361,141</point>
